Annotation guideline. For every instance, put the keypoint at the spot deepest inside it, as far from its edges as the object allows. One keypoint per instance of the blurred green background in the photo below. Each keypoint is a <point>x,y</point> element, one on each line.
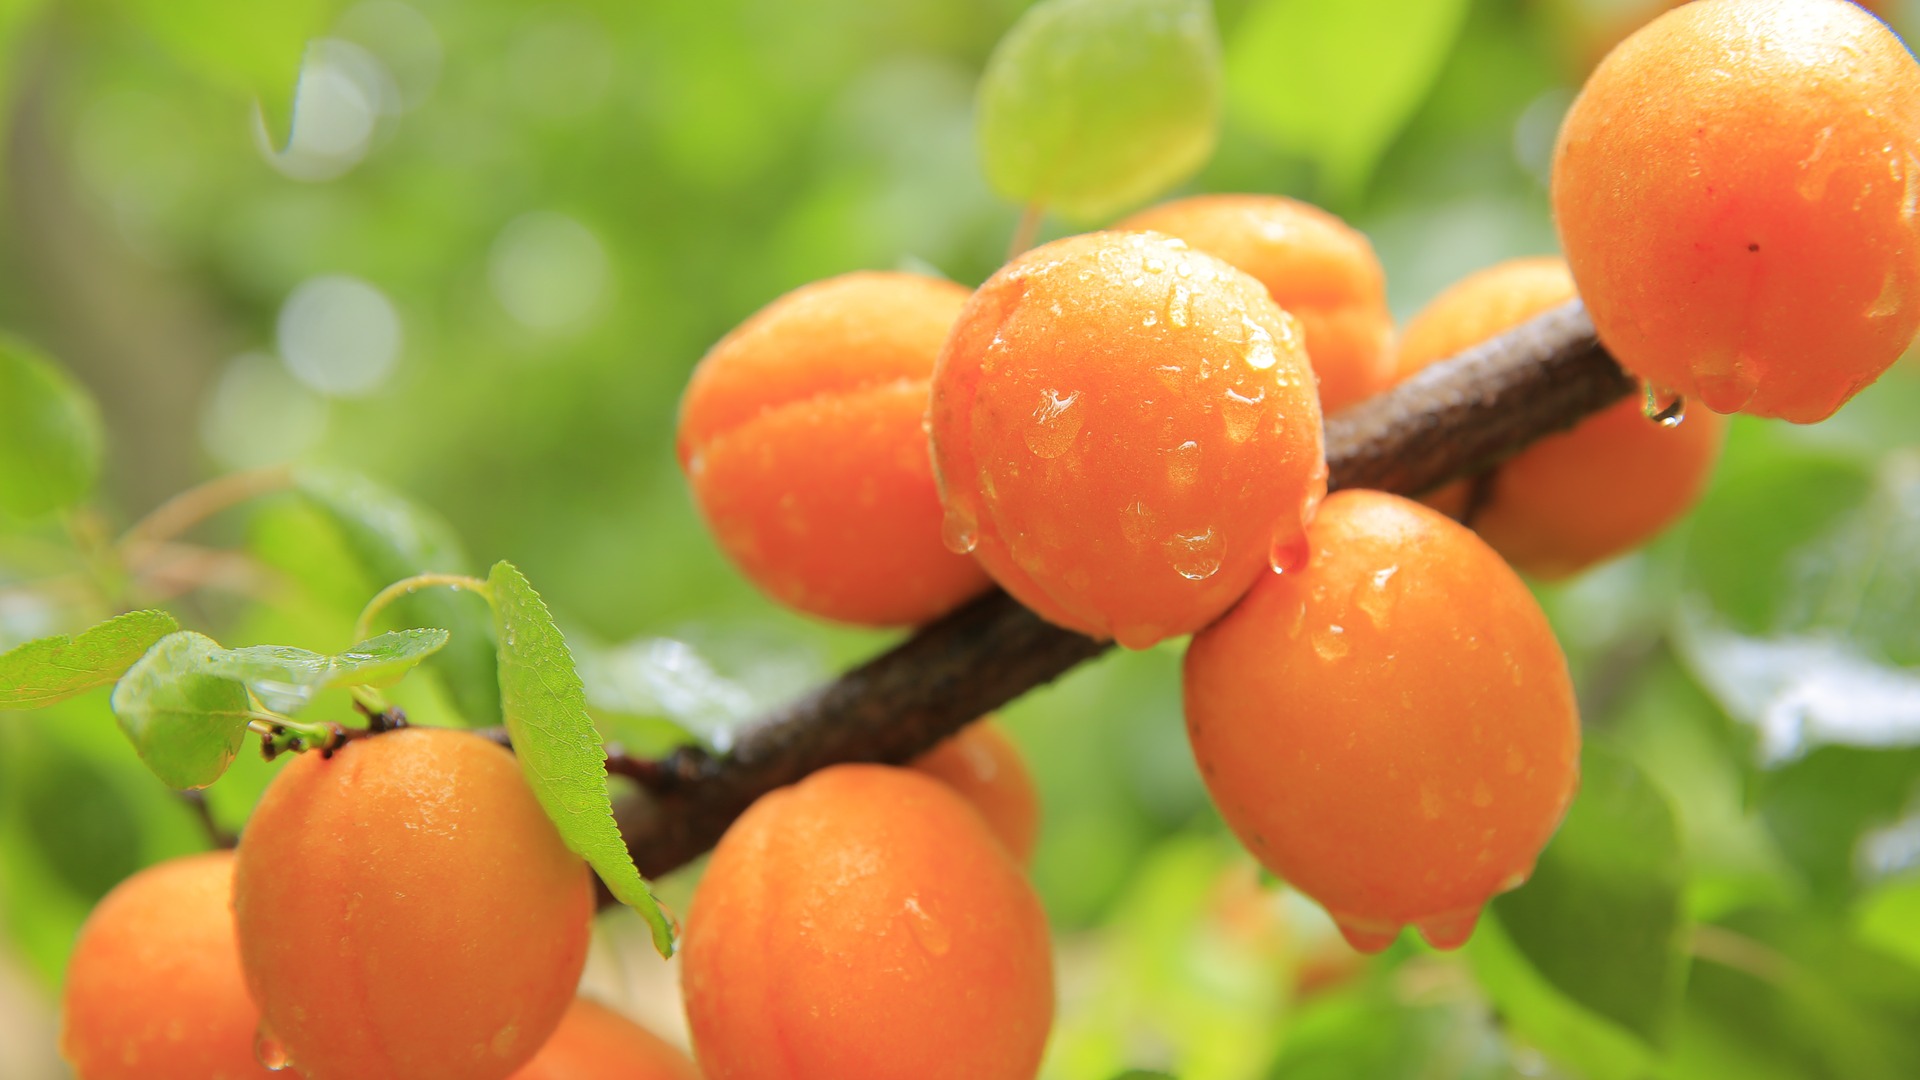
<point>502,234</point>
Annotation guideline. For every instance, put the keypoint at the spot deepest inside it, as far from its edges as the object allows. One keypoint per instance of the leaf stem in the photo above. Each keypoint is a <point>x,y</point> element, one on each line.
<point>197,504</point>
<point>363,626</point>
<point>1026,230</point>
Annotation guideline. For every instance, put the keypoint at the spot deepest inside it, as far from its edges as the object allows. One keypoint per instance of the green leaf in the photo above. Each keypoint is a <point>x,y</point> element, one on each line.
<point>1336,82</point>
<point>557,745</point>
<point>185,723</point>
<point>1090,107</point>
<point>50,435</point>
<point>286,679</point>
<point>382,660</point>
<point>1601,917</point>
<point>1538,1012</point>
<point>394,539</point>
<point>55,668</point>
<point>665,679</point>
<point>247,47</point>
<point>1819,807</point>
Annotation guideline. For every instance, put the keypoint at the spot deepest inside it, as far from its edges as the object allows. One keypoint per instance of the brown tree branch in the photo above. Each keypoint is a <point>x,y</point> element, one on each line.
<point>1452,420</point>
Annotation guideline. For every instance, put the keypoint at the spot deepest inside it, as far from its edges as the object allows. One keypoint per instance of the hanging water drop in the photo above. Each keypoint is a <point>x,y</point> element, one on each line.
<point>1664,407</point>
<point>269,1051</point>
<point>1289,553</point>
<point>959,531</point>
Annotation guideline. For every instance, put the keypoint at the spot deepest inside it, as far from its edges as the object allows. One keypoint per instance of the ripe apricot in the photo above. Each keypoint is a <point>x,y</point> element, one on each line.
<point>154,990</point>
<point>1738,193</point>
<point>407,911</point>
<point>1391,728</point>
<point>595,1043</point>
<point>1314,265</point>
<point>1123,430</point>
<point>984,766</point>
<point>1573,499</point>
<point>801,437</point>
<point>864,924</point>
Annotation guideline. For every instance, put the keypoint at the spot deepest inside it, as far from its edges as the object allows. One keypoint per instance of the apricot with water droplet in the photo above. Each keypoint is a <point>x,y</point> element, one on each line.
<point>984,766</point>
<point>1416,769</point>
<point>865,923</point>
<point>595,1043</point>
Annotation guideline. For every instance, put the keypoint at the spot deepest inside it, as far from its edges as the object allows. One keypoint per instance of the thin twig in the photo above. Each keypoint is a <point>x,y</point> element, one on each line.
<point>197,504</point>
<point>1026,230</point>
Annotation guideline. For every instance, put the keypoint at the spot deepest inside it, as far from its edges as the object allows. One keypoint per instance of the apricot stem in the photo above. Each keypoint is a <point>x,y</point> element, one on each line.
<point>363,626</point>
<point>197,504</point>
<point>1026,230</point>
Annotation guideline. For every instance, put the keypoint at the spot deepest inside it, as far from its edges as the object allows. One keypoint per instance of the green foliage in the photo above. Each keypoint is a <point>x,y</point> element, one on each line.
<point>52,669</point>
<point>1090,107</point>
<point>185,723</point>
<point>557,745</point>
<point>50,437</point>
<point>285,679</point>
<point>250,49</point>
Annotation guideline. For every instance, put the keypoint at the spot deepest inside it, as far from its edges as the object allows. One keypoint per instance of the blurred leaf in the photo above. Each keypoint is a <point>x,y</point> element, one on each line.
<point>1819,807</point>
<point>51,669</point>
<point>1540,1013</point>
<point>1090,107</point>
<point>1889,919</point>
<point>286,678</point>
<point>1601,916</point>
<point>1336,82</point>
<point>50,435</point>
<point>558,747</point>
<point>395,539</point>
<point>1376,1033</point>
<point>669,680</point>
<point>185,723</point>
<point>246,46</point>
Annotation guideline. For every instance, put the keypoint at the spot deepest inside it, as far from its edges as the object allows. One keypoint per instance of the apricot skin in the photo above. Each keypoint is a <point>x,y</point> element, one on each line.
<point>1573,499</point>
<point>862,925</point>
<point>407,911</point>
<point>983,766</point>
<point>154,990</point>
<point>1123,430</point>
<point>595,1043</point>
<point>801,437</point>
<point>1391,729</point>
<point>1322,271</point>
<point>1735,190</point>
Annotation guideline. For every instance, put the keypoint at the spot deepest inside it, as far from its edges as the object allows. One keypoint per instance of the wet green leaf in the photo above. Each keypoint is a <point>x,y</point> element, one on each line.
<point>286,678</point>
<point>185,723</point>
<point>51,669</point>
<point>50,435</point>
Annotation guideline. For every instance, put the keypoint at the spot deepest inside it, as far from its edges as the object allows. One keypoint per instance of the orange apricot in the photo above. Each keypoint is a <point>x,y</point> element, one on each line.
<point>984,766</point>
<point>1737,190</point>
<point>1321,270</point>
<point>801,436</point>
<point>864,924</point>
<point>1391,728</point>
<point>154,990</point>
<point>1573,499</point>
<point>406,910</point>
<point>1124,430</point>
<point>595,1043</point>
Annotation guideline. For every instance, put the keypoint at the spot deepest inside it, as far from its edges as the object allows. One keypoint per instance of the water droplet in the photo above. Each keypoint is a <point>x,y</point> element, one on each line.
<point>1366,935</point>
<point>1331,642</point>
<point>1725,383</point>
<point>269,1051</point>
<point>1154,264</point>
<point>1815,172</point>
<point>1516,761</point>
<point>1892,298</point>
<point>1152,319</point>
<point>1448,931</point>
<point>1183,464</point>
<point>1138,636</point>
<point>1196,556</point>
<point>1137,523</point>
<point>932,934</point>
<point>1242,413</point>
<point>1663,407</point>
<point>1430,802</point>
<point>1178,301</point>
<point>1514,880</point>
<point>1055,423</point>
<point>1260,354</point>
<point>1378,601</point>
<point>959,531</point>
<point>1482,794</point>
<point>1289,552</point>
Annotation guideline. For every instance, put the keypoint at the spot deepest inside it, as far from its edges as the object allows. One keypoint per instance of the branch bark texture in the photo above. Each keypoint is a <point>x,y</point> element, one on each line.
<point>1454,419</point>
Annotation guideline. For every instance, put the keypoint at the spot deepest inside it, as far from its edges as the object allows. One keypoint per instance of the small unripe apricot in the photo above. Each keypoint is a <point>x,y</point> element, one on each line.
<point>864,924</point>
<point>984,766</point>
<point>407,911</point>
<point>154,990</point>
<point>595,1043</point>
<point>1124,430</point>
<point>1315,266</point>
<point>1737,190</point>
<point>1570,500</point>
<point>1391,728</point>
<point>801,436</point>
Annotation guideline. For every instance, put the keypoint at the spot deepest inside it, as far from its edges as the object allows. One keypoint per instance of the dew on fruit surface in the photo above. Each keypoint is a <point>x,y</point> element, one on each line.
<point>933,935</point>
<point>1154,264</point>
<point>1137,636</point>
<point>1516,761</point>
<point>1814,171</point>
<point>1663,407</point>
<point>1289,552</point>
<point>1378,600</point>
<point>504,1040</point>
<point>1430,802</point>
<point>1482,794</point>
<point>1196,556</point>
<point>1330,641</point>
<point>1514,880</point>
<point>1450,930</point>
<point>1179,300</point>
<point>1183,464</point>
<point>1153,319</point>
<point>1725,385</point>
<point>269,1051</point>
<point>1055,423</point>
<point>1137,523</point>
<point>1299,620</point>
<point>1260,354</point>
<point>1365,935</point>
<point>1242,413</point>
<point>959,530</point>
<point>1892,298</point>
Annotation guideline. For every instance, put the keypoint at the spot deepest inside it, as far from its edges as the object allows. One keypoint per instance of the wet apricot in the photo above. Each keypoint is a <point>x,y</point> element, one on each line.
<point>1390,728</point>
<point>1124,429</point>
<point>154,990</point>
<point>1737,191</point>
<point>865,924</point>
<point>984,766</point>
<point>1574,499</point>
<point>801,436</point>
<point>1322,271</point>
<point>595,1043</point>
<point>406,910</point>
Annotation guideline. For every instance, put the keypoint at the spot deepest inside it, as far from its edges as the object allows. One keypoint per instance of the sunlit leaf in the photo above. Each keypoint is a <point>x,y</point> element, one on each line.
<point>557,745</point>
<point>50,435</point>
<point>1090,107</point>
<point>1336,82</point>
<point>50,669</point>
<point>186,724</point>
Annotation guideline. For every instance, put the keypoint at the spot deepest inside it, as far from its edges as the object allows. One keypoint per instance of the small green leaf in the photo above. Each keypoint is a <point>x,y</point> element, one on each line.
<point>55,668</point>
<point>1601,917</point>
<point>1090,107</point>
<point>382,660</point>
<point>186,724</point>
<point>286,679</point>
<point>558,747</point>
<point>1336,82</point>
<point>50,435</point>
<point>392,538</point>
